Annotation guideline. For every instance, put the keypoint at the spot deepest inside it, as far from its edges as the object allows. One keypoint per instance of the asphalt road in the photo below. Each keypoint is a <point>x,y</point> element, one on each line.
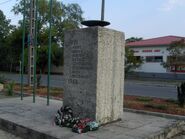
<point>144,88</point>
<point>160,90</point>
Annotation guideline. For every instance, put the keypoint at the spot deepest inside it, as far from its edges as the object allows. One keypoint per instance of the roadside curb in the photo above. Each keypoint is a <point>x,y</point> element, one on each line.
<point>22,131</point>
<point>170,131</point>
<point>153,84</point>
<point>164,115</point>
<point>43,96</point>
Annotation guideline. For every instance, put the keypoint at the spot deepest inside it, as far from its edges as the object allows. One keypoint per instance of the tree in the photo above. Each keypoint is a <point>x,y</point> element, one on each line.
<point>14,43</point>
<point>133,39</point>
<point>11,50</point>
<point>5,51</point>
<point>42,57</point>
<point>5,27</point>
<point>176,56</point>
<point>63,17</point>
<point>131,61</point>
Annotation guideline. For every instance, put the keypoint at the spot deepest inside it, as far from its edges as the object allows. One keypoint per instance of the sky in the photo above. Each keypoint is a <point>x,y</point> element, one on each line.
<point>136,18</point>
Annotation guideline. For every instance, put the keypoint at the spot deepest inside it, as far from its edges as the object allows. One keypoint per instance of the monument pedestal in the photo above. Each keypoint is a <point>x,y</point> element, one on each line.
<point>94,73</point>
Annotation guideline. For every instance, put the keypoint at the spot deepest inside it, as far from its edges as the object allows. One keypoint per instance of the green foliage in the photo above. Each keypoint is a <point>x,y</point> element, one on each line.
<point>9,88</point>
<point>2,79</point>
<point>38,80</point>
<point>156,106</point>
<point>177,48</point>
<point>133,39</point>
<point>131,61</point>
<point>176,54</point>
<point>144,99</point>
<point>5,27</point>
<point>171,101</point>
<point>5,52</point>
<point>42,57</point>
<point>63,17</point>
<point>12,51</point>
<point>181,94</point>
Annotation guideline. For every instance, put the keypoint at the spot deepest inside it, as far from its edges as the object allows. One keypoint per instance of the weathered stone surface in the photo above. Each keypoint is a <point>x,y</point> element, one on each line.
<point>94,73</point>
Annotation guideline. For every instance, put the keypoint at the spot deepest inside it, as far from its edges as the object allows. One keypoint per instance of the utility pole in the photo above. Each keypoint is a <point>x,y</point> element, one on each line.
<point>31,49</point>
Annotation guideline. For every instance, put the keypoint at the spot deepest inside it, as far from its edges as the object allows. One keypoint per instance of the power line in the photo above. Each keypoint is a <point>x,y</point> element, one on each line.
<point>5,2</point>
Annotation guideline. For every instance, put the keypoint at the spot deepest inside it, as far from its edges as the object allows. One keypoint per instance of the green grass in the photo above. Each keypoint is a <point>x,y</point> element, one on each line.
<point>9,88</point>
<point>2,79</point>
<point>144,99</point>
<point>57,89</point>
<point>172,101</point>
<point>155,106</point>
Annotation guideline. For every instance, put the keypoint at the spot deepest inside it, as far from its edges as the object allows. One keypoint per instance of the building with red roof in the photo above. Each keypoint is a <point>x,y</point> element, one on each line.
<point>154,52</point>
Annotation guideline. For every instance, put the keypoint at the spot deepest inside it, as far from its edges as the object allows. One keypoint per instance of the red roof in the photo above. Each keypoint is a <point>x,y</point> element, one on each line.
<point>167,40</point>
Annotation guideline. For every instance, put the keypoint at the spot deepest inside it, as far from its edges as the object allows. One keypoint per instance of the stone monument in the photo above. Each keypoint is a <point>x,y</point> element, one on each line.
<point>94,73</point>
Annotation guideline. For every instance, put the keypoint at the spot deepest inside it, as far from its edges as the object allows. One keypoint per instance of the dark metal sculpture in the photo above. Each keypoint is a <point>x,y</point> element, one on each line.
<point>91,23</point>
<point>102,23</point>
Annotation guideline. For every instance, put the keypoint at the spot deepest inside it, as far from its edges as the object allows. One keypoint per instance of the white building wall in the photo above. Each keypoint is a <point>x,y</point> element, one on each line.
<point>152,67</point>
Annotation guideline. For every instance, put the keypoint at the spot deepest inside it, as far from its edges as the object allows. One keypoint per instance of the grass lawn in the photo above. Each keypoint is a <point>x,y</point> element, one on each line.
<point>153,104</point>
<point>41,91</point>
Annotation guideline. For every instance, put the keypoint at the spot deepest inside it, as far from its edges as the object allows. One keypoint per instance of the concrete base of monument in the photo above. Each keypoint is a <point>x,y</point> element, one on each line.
<point>36,121</point>
<point>113,122</point>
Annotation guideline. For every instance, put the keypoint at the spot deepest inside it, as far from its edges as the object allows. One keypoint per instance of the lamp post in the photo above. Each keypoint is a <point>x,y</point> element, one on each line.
<point>103,10</point>
<point>49,52</point>
<point>23,44</point>
<point>102,22</point>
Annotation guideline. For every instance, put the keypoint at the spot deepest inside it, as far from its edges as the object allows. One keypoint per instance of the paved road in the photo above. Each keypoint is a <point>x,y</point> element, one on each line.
<point>56,80</point>
<point>160,90</point>
<point>151,90</point>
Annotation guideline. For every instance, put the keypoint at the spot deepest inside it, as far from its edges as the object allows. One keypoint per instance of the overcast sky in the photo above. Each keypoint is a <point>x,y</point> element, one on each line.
<point>138,18</point>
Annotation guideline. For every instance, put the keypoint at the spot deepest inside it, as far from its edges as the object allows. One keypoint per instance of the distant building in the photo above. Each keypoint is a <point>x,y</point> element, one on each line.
<point>154,52</point>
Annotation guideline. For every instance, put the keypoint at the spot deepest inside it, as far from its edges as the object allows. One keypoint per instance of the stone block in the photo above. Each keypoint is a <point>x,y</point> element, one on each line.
<point>94,73</point>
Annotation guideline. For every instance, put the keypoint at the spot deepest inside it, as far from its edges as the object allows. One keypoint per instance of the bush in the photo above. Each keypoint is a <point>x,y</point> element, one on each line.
<point>153,106</point>
<point>38,80</point>
<point>181,94</point>
<point>172,101</point>
<point>2,79</point>
<point>9,88</point>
